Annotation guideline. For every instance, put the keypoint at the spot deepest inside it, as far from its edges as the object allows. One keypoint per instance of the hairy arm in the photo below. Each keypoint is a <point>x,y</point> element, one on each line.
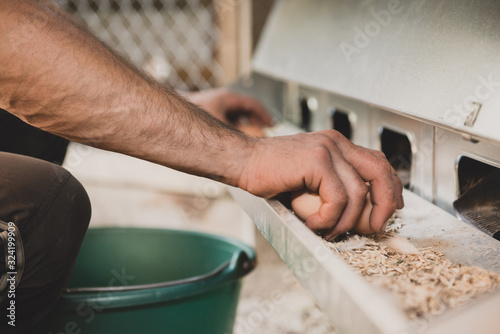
<point>54,75</point>
<point>58,77</point>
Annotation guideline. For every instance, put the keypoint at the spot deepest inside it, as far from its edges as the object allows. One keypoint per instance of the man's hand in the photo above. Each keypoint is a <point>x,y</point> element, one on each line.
<point>241,111</point>
<point>328,164</point>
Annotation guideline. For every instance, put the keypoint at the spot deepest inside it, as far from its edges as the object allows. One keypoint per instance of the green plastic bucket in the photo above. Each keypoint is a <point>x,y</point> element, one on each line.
<point>129,280</point>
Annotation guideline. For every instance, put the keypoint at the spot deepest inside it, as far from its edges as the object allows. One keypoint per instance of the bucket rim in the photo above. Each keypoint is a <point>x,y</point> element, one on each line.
<point>242,261</point>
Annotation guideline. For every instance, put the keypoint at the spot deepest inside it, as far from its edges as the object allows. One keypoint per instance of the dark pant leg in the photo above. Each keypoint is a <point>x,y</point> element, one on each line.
<point>21,138</point>
<point>51,210</point>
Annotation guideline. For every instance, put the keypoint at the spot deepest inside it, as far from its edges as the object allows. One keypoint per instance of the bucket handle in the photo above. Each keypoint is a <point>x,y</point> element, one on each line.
<point>239,263</point>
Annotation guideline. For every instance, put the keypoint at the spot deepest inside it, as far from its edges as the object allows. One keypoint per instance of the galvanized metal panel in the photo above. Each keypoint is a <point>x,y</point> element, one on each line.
<point>421,138</point>
<point>431,60</point>
<point>352,304</point>
<point>449,148</point>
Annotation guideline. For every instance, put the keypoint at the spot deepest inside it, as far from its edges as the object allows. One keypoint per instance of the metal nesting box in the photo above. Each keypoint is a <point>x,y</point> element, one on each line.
<point>424,75</point>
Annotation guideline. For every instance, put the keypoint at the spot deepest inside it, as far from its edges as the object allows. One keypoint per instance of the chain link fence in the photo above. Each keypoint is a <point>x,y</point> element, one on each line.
<point>176,41</point>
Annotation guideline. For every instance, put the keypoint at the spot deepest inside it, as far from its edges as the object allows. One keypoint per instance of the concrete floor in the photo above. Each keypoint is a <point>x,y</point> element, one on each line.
<point>273,301</point>
<point>129,192</point>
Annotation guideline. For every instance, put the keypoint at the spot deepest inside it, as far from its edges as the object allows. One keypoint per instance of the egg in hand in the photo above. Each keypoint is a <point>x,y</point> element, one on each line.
<point>305,204</point>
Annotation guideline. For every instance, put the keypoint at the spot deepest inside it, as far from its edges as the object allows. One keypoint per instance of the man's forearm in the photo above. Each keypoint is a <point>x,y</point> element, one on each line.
<point>57,77</point>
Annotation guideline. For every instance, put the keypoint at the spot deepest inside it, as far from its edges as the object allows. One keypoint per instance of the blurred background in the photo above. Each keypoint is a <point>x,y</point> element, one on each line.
<point>189,44</point>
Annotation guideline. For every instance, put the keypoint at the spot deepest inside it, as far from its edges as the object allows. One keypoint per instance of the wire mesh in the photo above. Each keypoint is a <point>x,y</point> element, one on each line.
<point>173,40</point>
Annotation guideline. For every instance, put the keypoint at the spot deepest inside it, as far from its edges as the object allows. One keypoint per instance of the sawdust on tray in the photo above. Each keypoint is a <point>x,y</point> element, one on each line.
<point>425,281</point>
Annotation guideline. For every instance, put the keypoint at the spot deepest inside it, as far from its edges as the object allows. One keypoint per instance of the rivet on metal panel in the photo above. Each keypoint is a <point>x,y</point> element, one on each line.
<point>471,118</point>
<point>470,138</point>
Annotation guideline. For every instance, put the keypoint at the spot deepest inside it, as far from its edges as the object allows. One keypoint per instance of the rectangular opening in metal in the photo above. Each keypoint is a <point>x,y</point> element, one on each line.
<point>397,149</point>
<point>478,201</point>
<point>470,172</point>
<point>341,122</point>
<point>305,112</point>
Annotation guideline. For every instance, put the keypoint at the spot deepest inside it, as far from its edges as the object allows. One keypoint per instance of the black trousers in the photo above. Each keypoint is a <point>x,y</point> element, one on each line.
<point>44,214</point>
<point>19,137</point>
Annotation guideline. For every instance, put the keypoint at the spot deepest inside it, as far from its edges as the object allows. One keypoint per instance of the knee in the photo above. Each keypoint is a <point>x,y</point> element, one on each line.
<point>74,204</point>
<point>52,211</point>
<point>59,235</point>
<point>49,206</point>
<point>63,220</point>
<point>34,191</point>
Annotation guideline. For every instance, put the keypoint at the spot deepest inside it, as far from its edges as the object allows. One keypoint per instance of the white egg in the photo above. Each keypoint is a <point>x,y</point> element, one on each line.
<point>305,204</point>
<point>401,245</point>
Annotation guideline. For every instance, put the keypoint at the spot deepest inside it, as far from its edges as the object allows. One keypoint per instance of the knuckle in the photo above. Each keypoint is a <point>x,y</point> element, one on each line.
<point>320,140</point>
<point>379,154</point>
<point>383,167</point>
<point>360,189</point>
<point>335,134</point>
<point>320,153</point>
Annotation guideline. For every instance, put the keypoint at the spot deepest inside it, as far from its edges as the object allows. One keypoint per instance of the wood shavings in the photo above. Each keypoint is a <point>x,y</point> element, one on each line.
<point>425,281</point>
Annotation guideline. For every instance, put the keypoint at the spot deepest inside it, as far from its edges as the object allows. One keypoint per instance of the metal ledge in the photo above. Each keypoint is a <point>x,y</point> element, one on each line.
<point>351,303</point>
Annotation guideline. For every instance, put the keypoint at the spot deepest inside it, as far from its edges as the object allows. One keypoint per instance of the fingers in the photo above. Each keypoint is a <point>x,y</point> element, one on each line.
<point>350,216</point>
<point>328,164</point>
<point>386,193</point>
<point>355,190</point>
<point>396,179</point>
<point>334,199</point>
<point>342,191</point>
<point>251,130</point>
<point>255,112</point>
<point>386,188</point>
<point>229,106</point>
